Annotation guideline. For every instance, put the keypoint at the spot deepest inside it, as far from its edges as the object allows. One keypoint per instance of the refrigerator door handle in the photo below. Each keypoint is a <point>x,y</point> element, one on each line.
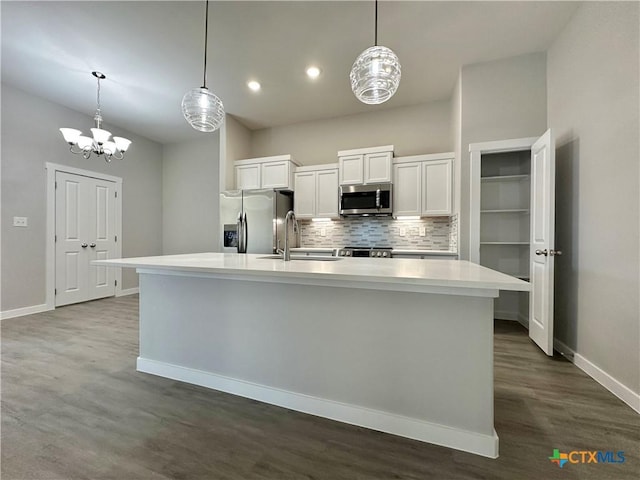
<point>245,232</point>
<point>239,232</point>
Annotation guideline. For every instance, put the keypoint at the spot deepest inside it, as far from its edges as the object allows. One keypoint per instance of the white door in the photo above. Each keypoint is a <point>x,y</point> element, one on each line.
<point>542,242</point>
<point>85,231</point>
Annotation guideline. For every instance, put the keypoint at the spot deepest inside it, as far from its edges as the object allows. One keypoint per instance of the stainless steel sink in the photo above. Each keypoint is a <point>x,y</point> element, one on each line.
<point>316,258</point>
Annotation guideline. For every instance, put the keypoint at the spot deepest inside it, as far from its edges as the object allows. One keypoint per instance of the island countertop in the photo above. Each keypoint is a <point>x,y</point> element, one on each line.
<point>455,277</point>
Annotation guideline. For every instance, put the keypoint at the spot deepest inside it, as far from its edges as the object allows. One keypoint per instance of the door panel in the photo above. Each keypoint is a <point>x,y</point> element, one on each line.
<point>71,210</point>
<point>85,231</point>
<point>542,242</point>
<point>260,208</point>
<point>102,237</point>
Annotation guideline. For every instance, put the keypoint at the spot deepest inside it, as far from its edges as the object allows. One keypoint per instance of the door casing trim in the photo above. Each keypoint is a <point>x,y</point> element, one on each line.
<point>50,271</point>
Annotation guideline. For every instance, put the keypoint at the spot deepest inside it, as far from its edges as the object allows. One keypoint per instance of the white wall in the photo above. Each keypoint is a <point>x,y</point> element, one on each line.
<point>593,109</point>
<point>501,100</point>
<point>413,130</point>
<point>190,187</point>
<point>30,137</point>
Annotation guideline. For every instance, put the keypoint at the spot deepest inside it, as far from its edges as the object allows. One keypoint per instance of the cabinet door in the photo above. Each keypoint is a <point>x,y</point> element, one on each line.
<point>248,177</point>
<point>305,196</point>
<point>436,187</point>
<point>327,194</point>
<point>377,167</point>
<point>407,188</point>
<point>276,175</point>
<point>351,170</point>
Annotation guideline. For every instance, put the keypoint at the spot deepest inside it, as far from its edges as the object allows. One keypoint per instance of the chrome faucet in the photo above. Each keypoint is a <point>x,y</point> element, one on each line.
<point>286,254</point>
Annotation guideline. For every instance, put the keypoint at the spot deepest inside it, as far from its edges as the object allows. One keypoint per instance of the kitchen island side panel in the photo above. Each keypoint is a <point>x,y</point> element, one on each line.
<point>425,357</point>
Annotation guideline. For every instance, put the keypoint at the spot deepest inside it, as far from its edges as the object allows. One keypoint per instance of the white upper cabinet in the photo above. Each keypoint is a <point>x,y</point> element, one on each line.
<point>266,172</point>
<point>365,165</point>
<point>316,190</point>
<point>423,185</point>
<point>407,189</point>
<point>437,179</point>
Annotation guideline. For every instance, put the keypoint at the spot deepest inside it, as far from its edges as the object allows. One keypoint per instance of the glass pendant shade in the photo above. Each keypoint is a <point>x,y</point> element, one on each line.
<point>109,148</point>
<point>84,143</point>
<point>70,135</point>
<point>122,143</point>
<point>375,75</point>
<point>203,110</point>
<point>100,136</point>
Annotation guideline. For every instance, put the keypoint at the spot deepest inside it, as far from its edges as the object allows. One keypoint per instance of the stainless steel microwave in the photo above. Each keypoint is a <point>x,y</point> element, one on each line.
<point>365,200</point>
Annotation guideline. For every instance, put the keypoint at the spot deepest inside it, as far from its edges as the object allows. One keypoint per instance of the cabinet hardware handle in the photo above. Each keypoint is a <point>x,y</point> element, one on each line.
<point>93,245</point>
<point>84,245</point>
<point>542,252</point>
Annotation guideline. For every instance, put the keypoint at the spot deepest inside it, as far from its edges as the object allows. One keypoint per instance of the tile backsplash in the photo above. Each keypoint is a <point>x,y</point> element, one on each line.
<point>441,233</point>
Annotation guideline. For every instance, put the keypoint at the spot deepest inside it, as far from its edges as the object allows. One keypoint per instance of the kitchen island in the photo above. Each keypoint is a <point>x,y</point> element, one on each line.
<point>397,345</point>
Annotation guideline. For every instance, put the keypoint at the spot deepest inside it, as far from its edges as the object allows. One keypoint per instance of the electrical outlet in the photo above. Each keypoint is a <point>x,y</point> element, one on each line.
<point>323,232</point>
<point>423,231</point>
<point>403,231</point>
<point>20,221</point>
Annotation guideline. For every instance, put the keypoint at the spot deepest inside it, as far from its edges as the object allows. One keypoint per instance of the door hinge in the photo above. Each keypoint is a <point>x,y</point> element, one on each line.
<point>56,184</point>
<point>116,238</point>
<point>116,283</point>
<point>55,291</point>
<point>55,238</point>
<point>116,194</point>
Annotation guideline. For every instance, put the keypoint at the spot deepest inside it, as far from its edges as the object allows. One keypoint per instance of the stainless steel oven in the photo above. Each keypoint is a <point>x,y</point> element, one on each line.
<point>364,200</point>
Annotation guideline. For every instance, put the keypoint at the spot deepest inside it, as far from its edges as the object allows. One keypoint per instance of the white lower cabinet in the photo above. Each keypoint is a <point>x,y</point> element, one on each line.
<point>316,192</point>
<point>423,185</point>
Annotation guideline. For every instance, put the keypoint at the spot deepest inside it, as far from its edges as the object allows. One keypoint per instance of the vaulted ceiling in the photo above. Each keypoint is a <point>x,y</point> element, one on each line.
<point>152,53</point>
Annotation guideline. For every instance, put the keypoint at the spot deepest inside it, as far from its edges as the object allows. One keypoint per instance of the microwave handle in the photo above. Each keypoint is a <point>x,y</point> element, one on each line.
<point>378,199</point>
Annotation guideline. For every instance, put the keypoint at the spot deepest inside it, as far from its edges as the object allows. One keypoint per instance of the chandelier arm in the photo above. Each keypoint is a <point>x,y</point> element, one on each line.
<point>74,152</point>
<point>115,155</point>
<point>206,33</point>
<point>86,154</point>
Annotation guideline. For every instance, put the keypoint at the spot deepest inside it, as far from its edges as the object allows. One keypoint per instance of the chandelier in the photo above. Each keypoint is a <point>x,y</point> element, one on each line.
<point>375,75</point>
<point>100,143</point>
<point>201,108</point>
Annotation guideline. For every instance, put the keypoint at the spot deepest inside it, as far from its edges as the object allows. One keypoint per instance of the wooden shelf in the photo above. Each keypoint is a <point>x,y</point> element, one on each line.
<point>507,210</point>
<point>505,178</point>
<point>504,243</point>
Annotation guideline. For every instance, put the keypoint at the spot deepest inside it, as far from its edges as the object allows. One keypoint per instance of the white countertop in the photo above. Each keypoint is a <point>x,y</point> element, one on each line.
<point>455,277</point>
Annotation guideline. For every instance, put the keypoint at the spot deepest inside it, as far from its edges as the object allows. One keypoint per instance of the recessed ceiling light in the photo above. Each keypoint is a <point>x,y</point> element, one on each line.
<point>253,85</point>
<point>313,72</point>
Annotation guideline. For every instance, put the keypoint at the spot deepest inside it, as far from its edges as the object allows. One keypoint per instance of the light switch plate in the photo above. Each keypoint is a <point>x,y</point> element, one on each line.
<point>403,231</point>
<point>423,231</point>
<point>323,232</point>
<point>20,221</point>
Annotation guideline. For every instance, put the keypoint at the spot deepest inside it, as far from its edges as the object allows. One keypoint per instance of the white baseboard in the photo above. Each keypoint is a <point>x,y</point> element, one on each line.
<point>620,390</point>
<point>21,312</point>
<point>128,291</point>
<point>505,315</point>
<point>485,445</point>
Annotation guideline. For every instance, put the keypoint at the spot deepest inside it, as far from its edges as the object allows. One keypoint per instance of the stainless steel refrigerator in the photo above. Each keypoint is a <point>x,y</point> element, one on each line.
<point>252,221</point>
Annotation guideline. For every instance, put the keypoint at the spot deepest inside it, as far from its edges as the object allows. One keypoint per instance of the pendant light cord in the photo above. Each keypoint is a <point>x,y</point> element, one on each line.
<point>375,40</point>
<point>206,31</point>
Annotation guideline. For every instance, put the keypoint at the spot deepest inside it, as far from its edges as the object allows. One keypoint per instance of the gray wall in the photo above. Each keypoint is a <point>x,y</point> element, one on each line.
<point>30,137</point>
<point>593,110</point>
<point>501,100</point>
<point>413,130</point>
<point>235,145</point>
<point>190,195</point>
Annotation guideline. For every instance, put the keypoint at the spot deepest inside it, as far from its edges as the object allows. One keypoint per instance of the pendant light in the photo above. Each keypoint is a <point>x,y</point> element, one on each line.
<point>375,75</point>
<point>201,108</point>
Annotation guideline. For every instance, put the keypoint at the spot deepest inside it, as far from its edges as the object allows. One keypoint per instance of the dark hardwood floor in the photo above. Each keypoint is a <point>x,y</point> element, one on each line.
<point>73,407</point>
